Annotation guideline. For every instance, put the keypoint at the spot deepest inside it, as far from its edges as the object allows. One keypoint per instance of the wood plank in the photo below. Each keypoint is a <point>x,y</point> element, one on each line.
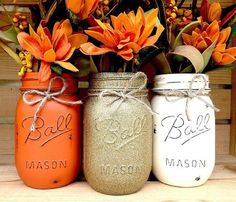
<point>223,3</point>
<point>222,139</point>
<point>9,68</point>
<point>6,139</point>
<point>7,159</point>
<point>222,100</point>
<point>233,116</point>
<point>220,77</point>
<point>21,2</point>
<point>220,187</point>
<point>9,91</point>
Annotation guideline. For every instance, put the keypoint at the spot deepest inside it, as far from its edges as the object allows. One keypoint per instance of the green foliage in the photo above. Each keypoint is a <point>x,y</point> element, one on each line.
<point>57,69</point>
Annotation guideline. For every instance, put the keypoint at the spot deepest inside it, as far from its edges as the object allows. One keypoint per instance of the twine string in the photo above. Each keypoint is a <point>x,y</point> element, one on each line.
<point>45,96</point>
<point>189,94</point>
<point>125,94</point>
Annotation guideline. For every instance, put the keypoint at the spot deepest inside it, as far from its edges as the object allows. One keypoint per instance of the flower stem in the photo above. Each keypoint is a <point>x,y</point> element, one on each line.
<point>124,67</point>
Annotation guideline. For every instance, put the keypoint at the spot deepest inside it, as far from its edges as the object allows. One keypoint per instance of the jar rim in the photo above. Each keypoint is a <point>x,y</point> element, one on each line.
<point>111,75</point>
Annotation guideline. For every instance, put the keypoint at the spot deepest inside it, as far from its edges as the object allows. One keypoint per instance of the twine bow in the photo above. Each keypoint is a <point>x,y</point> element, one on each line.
<point>125,94</point>
<point>189,95</point>
<point>47,95</point>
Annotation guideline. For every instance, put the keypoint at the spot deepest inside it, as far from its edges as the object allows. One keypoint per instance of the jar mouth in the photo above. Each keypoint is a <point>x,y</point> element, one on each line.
<point>181,81</point>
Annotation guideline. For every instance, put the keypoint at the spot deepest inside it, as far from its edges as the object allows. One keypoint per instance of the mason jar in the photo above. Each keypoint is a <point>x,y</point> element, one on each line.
<point>184,129</point>
<point>47,135</point>
<point>117,150</point>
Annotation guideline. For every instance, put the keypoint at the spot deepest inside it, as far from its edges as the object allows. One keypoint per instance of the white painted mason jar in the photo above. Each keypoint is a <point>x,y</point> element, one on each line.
<point>184,129</point>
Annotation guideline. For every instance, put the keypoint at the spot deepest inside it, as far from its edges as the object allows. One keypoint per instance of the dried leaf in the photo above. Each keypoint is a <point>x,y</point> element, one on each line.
<point>10,52</point>
<point>192,54</point>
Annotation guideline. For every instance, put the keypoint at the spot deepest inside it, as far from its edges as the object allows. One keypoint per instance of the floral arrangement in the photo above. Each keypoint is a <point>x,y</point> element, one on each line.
<point>88,36</point>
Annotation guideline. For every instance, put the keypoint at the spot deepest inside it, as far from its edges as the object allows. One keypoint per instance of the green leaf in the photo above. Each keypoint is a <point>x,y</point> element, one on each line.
<point>187,28</point>
<point>56,68</point>
<point>233,30</point>
<point>161,63</point>
<point>93,68</point>
<point>84,65</point>
<point>192,54</point>
<point>207,55</point>
<point>188,69</point>
<point>147,54</point>
<point>10,35</point>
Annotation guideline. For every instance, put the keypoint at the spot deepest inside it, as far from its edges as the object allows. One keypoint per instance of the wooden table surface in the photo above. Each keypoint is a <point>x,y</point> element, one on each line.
<point>220,187</point>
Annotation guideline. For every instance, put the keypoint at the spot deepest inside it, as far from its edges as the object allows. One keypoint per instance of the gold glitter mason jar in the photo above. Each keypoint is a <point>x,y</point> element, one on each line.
<point>117,133</point>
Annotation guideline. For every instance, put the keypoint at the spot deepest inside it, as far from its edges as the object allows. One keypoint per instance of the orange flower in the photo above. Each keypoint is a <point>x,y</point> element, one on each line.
<point>57,48</point>
<point>221,55</point>
<point>82,8</point>
<point>210,11</point>
<point>201,38</point>
<point>126,36</point>
<point>214,12</point>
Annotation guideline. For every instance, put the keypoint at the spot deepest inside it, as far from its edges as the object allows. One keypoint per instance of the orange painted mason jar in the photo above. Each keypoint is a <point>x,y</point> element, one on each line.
<point>48,131</point>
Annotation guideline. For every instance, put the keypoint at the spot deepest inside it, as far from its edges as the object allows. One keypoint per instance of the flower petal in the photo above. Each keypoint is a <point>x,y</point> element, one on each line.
<point>153,39</point>
<point>68,55</point>
<point>213,30</point>
<point>74,5</point>
<point>151,19</point>
<point>77,39</point>
<point>227,59</point>
<point>89,8</point>
<point>134,46</point>
<point>220,48</point>
<point>231,51</point>
<point>67,65</point>
<point>126,54</point>
<point>224,35</point>
<point>49,55</point>
<point>44,71</point>
<point>214,12</point>
<point>30,44</point>
<point>91,49</point>
<point>217,56</point>
<point>187,39</point>
<point>62,51</point>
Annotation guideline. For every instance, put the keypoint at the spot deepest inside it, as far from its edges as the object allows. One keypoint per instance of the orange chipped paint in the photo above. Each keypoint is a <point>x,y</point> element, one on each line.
<point>125,36</point>
<point>82,8</point>
<point>56,48</point>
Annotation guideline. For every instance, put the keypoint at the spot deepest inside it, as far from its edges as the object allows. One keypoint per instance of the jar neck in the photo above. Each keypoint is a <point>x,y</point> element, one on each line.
<point>116,81</point>
<point>31,82</point>
<point>181,82</point>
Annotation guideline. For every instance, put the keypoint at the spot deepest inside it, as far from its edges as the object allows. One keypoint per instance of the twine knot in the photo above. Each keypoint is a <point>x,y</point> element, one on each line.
<point>125,94</point>
<point>189,95</point>
<point>46,96</point>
